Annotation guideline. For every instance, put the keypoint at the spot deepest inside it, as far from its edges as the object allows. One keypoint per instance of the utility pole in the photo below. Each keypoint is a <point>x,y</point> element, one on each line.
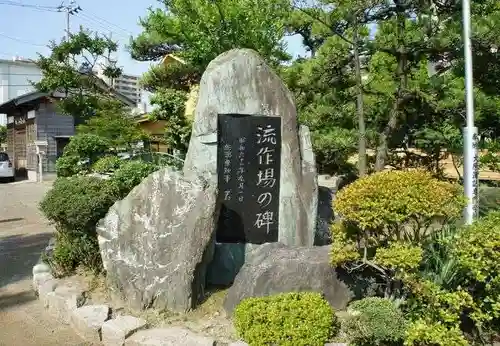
<point>470,131</point>
<point>70,9</point>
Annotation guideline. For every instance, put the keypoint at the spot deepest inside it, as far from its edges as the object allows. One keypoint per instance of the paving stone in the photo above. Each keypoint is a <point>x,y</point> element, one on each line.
<point>238,343</point>
<point>87,321</point>
<point>64,300</point>
<point>41,268</point>
<point>44,289</point>
<point>173,336</point>
<point>40,278</point>
<point>115,331</point>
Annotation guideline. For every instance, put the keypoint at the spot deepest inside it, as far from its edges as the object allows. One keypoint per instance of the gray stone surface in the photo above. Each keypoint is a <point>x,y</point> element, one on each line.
<point>239,343</point>
<point>39,278</point>
<point>239,81</point>
<point>44,289</point>
<point>115,331</point>
<point>173,336</point>
<point>64,300</point>
<point>41,268</point>
<point>88,320</point>
<point>227,262</point>
<point>277,269</point>
<point>157,241</point>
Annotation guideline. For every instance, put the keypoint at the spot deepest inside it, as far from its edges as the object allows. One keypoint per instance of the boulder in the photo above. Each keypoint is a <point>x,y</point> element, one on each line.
<point>156,242</point>
<point>115,331</point>
<point>275,268</point>
<point>87,321</point>
<point>240,82</point>
<point>227,262</point>
<point>173,336</point>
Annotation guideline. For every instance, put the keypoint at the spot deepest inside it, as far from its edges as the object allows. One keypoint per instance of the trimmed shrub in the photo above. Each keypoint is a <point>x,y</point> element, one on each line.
<point>287,319</point>
<point>422,333</point>
<point>107,164</point>
<point>131,174</point>
<point>374,322</point>
<point>75,205</point>
<point>476,248</point>
<point>392,199</point>
<point>68,165</point>
<point>489,199</point>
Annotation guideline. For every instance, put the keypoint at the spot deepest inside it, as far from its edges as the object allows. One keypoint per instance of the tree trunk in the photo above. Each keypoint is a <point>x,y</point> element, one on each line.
<point>359,105</point>
<point>392,123</point>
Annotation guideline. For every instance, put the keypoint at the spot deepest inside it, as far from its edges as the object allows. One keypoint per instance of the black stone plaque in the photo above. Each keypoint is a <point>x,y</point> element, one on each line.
<point>248,169</point>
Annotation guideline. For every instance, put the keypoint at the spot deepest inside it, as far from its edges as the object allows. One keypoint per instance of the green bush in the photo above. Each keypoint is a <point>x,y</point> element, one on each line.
<point>107,164</point>
<point>75,205</point>
<point>72,251</point>
<point>489,199</point>
<point>131,174</point>
<point>393,199</point>
<point>392,212</point>
<point>80,154</point>
<point>68,165</point>
<point>293,319</point>
<point>374,322</point>
<point>477,249</point>
<point>87,147</point>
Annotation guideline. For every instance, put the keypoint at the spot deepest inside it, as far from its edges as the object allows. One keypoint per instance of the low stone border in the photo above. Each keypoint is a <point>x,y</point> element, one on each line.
<point>66,301</point>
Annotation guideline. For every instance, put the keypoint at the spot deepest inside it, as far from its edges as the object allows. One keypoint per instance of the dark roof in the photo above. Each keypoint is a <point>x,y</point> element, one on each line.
<point>26,99</point>
<point>33,97</point>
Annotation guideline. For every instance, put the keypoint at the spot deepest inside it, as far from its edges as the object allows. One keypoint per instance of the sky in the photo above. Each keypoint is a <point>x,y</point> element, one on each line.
<point>25,30</point>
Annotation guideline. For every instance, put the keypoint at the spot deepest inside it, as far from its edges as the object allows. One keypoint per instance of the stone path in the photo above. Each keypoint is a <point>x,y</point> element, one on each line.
<point>23,234</point>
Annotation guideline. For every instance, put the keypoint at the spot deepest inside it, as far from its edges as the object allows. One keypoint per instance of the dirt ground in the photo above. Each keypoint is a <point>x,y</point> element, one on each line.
<point>23,235</point>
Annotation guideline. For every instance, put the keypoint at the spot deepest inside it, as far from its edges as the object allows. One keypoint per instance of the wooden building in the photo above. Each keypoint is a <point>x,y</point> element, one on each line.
<point>33,117</point>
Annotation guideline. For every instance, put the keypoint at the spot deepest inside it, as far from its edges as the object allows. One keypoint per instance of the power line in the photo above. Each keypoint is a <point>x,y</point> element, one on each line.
<point>21,40</point>
<point>20,74</point>
<point>94,21</point>
<point>110,23</point>
<point>35,7</point>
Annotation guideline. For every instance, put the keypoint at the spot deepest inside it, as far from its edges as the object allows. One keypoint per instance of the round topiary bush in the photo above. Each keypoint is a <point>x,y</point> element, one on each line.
<point>107,164</point>
<point>374,322</point>
<point>287,319</point>
<point>391,199</point>
<point>130,174</point>
<point>75,205</point>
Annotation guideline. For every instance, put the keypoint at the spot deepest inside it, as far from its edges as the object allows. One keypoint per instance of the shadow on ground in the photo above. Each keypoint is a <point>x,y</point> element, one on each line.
<point>18,255</point>
<point>10,300</point>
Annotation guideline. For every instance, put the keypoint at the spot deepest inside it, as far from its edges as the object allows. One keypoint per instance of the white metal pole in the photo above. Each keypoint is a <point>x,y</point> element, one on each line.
<point>470,133</point>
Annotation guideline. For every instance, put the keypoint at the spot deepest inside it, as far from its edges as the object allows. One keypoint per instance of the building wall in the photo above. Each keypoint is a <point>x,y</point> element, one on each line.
<point>127,85</point>
<point>50,125</point>
<point>15,77</point>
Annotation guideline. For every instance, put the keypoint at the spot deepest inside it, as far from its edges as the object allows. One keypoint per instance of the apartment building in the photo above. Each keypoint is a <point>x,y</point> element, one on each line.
<point>16,76</point>
<point>127,85</point>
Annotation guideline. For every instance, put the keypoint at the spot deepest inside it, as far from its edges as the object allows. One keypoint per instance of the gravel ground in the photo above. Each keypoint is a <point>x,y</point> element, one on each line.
<point>23,235</point>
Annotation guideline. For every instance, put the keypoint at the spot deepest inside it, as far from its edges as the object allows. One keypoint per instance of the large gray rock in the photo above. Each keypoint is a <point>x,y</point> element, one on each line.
<point>227,262</point>
<point>173,336</point>
<point>274,268</point>
<point>240,82</point>
<point>156,242</point>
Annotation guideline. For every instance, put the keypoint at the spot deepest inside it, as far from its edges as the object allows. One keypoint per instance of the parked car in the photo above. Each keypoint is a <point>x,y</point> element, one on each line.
<point>6,168</point>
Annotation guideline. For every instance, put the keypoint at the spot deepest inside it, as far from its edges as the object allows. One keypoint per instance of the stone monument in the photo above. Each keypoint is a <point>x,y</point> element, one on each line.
<point>246,139</point>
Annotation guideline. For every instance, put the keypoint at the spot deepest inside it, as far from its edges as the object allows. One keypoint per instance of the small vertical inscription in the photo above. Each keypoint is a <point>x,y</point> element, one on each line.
<point>248,168</point>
